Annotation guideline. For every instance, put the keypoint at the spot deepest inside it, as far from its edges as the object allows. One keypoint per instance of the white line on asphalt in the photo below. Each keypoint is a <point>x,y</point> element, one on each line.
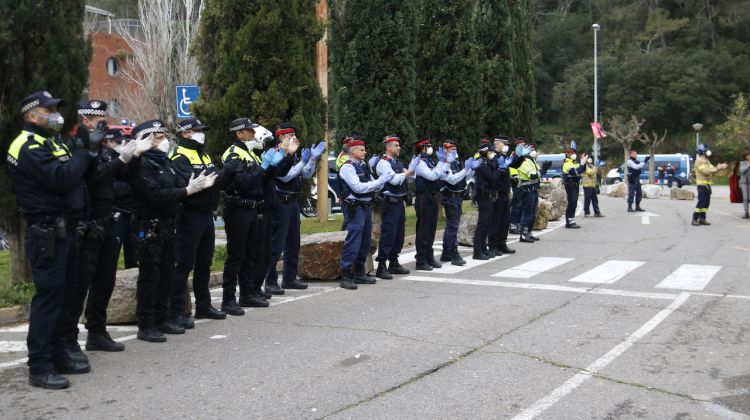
<point>645,217</point>
<point>608,272</point>
<point>689,277</point>
<point>532,268</point>
<point>550,287</point>
<point>110,328</point>
<point>571,384</point>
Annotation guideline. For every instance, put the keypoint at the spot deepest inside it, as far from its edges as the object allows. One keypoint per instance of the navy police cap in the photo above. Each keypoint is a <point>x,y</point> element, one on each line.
<point>148,127</point>
<point>93,107</point>
<point>190,124</point>
<point>41,98</point>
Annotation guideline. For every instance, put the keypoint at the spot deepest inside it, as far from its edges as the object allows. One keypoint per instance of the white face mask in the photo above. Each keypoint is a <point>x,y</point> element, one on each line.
<point>429,150</point>
<point>708,153</point>
<point>163,146</point>
<point>533,154</point>
<point>590,161</point>
<point>253,144</point>
<point>505,149</point>
<point>574,156</point>
<point>490,155</point>
<point>199,137</point>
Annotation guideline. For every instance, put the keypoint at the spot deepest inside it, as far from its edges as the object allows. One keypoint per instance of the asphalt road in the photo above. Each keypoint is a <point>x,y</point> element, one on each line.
<point>619,319</point>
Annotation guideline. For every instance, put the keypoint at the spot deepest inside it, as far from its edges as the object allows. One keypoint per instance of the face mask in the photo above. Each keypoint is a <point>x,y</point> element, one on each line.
<point>491,155</point>
<point>590,161</point>
<point>708,153</point>
<point>505,149</point>
<point>429,150</point>
<point>533,154</point>
<point>253,145</point>
<point>573,156</point>
<point>163,146</point>
<point>199,137</point>
<point>54,123</point>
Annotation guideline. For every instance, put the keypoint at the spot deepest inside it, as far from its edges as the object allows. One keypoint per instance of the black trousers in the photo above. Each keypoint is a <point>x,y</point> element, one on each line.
<point>427,206</point>
<point>590,198</point>
<point>97,269</point>
<point>500,222</point>
<point>265,233</point>
<point>704,201</point>
<point>194,252</point>
<point>570,211</point>
<point>126,239</point>
<point>156,273</point>
<point>634,193</point>
<point>54,273</point>
<point>485,222</point>
<point>244,249</point>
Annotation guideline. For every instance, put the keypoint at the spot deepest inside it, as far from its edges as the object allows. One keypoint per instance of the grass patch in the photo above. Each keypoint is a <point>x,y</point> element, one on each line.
<point>12,294</point>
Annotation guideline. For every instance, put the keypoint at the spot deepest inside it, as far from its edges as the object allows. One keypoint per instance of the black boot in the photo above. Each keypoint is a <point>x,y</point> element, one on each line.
<point>456,258</point>
<point>630,209</point>
<point>253,301</point>
<point>209,312</point>
<point>49,380</point>
<point>262,293</point>
<point>395,268</point>
<point>360,277</point>
<point>514,229</point>
<point>152,335</point>
<point>232,308</point>
<point>571,224</point>
<point>703,220</point>
<point>73,350</point>
<point>347,281</point>
<point>382,272</point>
<point>480,253</point>
<point>638,208</point>
<point>746,216</point>
<point>101,341</point>
<point>505,250</point>
<point>294,284</point>
<point>424,266</point>
<point>184,321</point>
<point>73,367</point>
<point>525,238</point>
<point>445,256</point>
<point>696,219</point>
<point>434,263</point>
<point>274,289</point>
<point>530,234</point>
<point>169,327</point>
<point>494,252</point>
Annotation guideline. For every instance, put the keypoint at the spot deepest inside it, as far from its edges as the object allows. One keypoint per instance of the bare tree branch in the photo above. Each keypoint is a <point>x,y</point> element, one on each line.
<point>625,133</point>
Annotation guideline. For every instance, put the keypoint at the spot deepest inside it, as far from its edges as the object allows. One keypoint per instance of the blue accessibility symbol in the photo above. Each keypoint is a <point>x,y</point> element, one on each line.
<point>186,95</point>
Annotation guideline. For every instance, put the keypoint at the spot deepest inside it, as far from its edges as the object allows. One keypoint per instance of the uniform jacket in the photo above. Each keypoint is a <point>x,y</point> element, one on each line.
<point>704,171</point>
<point>157,188</point>
<point>589,176</point>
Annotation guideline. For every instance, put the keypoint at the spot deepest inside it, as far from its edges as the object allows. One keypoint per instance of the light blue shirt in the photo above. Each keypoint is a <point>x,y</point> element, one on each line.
<point>434,174</point>
<point>636,166</point>
<point>349,175</point>
<point>306,170</point>
<point>384,167</point>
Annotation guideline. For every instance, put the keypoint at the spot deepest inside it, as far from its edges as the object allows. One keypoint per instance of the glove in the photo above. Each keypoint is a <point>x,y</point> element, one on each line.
<point>235,165</point>
<point>647,159</point>
<point>526,150</point>
<point>441,154</point>
<point>126,151</point>
<point>266,158</point>
<point>472,163</point>
<point>277,157</point>
<point>81,140</point>
<point>196,184</point>
<point>306,155</point>
<point>318,150</point>
<point>386,178</point>
<point>546,165</point>
<point>373,162</point>
<point>96,136</point>
<point>414,162</point>
<point>452,157</point>
<point>142,146</point>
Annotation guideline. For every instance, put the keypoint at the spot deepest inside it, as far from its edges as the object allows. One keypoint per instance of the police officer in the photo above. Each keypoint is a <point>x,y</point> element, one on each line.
<point>429,173</point>
<point>529,180</point>
<point>195,225</point>
<point>590,196</point>
<point>98,246</point>
<point>506,161</point>
<point>46,177</point>
<point>359,188</point>
<point>123,203</point>
<point>286,220</point>
<point>157,191</point>
<point>669,173</point>
<point>518,196</point>
<point>244,202</point>
<point>393,212</point>
<point>453,190</point>
<point>572,180</point>
<point>635,167</point>
<point>487,180</point>
<point>704,175</point>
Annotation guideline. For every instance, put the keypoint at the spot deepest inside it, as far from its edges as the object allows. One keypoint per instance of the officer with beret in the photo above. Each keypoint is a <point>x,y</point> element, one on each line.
<point>507,161</point>
<point>359,189</point>
<point>47,179</point>
<point>244,206</point>
<point>429,173</point>
<point>157,191</point>
<point>572,171</point>
<point>393,212</point>
<point>286,220</point>
<point>98,245</point>
<point>195,225</point>
<point>453,190</point>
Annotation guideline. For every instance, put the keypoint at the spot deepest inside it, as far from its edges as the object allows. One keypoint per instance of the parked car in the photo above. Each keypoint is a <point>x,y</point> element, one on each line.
<point>682,165</point>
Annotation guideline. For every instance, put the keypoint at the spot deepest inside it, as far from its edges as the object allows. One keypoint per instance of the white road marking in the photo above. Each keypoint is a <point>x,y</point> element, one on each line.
<point>571,384</point>
<point>532,268</point>
<point>690,277</point>
<point>539,286</point>
<point>608,272</point>
<point>217,337</point>
<point>645,217</point>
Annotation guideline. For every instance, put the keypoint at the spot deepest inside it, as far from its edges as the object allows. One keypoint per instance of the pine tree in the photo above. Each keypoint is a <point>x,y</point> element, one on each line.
<point>374,69</point>
<point>259,62</point>
<point>494,35</point>
<point>524,97</point>
<point>450,96</point>
<point>42,46</point>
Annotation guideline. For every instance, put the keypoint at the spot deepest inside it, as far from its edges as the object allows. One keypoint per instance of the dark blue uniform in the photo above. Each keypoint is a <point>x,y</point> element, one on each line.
<point>427,206</point>
<point>393,216</point>
<point>452,200</point>
<point>358,218</point>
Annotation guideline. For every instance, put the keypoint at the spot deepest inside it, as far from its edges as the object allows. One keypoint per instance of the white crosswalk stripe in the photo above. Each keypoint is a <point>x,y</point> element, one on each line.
<point>608,272</point>
<point>690,277</point>
<point>532,268</point>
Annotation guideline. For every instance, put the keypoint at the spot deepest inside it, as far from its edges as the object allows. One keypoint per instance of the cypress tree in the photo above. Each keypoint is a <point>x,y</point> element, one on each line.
<point>450,96</point>
<point>374,69</point>
<point>524,97</point>
<point>42,46</point>
<point>258,60</point>
<point>494,35</point>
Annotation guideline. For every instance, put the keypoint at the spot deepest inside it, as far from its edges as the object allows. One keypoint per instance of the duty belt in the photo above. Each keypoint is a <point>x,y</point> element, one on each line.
<point>358,203</point>
<point>286,198</point>
<point>244,202</point>
<point>492,195</point>
<point>454,193</point>
<point>392,199</point>
<point>156,222</point>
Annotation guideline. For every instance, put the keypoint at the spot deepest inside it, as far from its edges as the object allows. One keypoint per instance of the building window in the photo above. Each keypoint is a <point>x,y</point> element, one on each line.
<point>112,66</point>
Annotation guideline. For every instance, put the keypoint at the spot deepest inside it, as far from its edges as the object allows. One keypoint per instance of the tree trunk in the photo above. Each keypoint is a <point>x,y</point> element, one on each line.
<point>20,270</point>
<point>626,153</point>
<point>651,164</point>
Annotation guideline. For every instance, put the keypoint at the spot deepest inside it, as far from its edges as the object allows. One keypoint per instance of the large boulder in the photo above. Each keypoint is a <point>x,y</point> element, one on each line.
<point>556,183</point>
<point>558,198</point>
<point>320,255</point>
<point>466,227</point>
<point>619,189</point>
<point>121,309</point>
<point>681,194</point>
<point>544,211</point>
<point>545,189</point>
<point>651,190</point>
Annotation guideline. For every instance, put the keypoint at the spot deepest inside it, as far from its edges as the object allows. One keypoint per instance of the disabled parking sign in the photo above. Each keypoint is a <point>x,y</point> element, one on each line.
<point>186,95</point>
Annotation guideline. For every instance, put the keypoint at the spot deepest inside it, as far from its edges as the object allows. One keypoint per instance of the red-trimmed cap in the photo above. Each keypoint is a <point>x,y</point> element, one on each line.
<point>450,144</point>
<point>356,142</point>
<point>391,139</point>
<point>282,131</point>
<point>484,141</point>
<point>426,141</point>
<point>346,140</point>
<point>520,140</point>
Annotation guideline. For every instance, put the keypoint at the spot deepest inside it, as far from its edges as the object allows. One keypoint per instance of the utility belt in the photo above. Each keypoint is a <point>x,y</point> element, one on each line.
<point>151,228</point>
<point>452,194</point>
<point>492,195</point>
<point>48,229</point>
<point>390,199</point>
<point>94,227</point>
<point>529,187</point>
<point>234,201</point>
<point>352,205</point>
<point>285,197</point>
<point>572,181</point>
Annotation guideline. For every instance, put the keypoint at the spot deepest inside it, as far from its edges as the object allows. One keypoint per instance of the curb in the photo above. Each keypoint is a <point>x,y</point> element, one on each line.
<point>12,315</point>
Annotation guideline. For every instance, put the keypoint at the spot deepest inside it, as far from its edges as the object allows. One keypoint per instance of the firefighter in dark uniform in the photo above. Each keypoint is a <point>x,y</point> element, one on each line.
<point>123,204</point>
<point>453,191</point>
<point>393,213</point>
<point>157,190</point>
<point>572,171</point>
<point>98,247</point>
<point>244,203</point>
<point>429,173</point>
<point>635,167</point>
<point>286,222</point>
<point>47,179</point>
<point>195,225</point>
<point>359,188</point>
<point>506,161</point>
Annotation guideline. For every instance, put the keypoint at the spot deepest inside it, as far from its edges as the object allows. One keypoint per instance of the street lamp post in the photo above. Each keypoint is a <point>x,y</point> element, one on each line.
<point>596,27</point>
<point>697,127</point>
